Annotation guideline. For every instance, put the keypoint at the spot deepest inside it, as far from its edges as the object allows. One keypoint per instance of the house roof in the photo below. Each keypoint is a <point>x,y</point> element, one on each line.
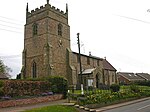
<point>146,76</point>
<point>3,76</point>
<point>107,65</point>
<point>131,76</point>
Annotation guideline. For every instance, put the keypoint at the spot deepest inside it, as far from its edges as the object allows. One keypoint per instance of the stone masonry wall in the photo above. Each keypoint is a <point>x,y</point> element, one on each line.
<point>47,18</point>
<point>19,102</point>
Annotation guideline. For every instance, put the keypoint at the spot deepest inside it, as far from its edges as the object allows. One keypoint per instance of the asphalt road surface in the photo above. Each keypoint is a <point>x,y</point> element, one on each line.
<point>143,106</point>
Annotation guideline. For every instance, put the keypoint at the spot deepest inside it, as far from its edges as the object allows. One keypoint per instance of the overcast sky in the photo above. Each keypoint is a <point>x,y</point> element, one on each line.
<point>116,29</point>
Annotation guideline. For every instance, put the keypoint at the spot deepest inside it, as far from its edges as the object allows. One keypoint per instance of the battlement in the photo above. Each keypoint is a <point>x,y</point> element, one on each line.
<point>47,7</point>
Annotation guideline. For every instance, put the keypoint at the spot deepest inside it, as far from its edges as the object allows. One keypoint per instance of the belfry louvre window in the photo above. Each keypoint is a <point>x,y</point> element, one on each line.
<point>35,29</point>
<point>60,29</point>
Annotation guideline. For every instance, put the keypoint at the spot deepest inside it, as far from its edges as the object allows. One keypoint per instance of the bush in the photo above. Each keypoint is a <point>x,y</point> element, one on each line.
<point>143,83</point>
<point>115,87</point>
<point>134,88</point>
<point>58,84</point>
<point>1,88</point>
<point>1,84</point>
<point>1,92</point>
<point>21,88</point>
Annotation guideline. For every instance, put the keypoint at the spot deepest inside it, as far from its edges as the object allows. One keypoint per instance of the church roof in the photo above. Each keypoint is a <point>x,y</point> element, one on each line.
<point>108,66</point>
<point>94,57</point>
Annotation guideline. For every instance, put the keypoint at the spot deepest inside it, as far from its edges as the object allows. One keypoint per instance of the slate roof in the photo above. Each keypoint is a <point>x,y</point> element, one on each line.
<point>146,76</point>
<point>108,66</point>
<point>131,76</point>
<point>91,56</point>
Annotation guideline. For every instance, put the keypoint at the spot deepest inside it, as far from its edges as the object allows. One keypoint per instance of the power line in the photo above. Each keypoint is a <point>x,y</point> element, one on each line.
<point>11,19</point>
<point>11,31</point>
<point>11,56</point>
<point>10,26</point>
<point>10,22</point>
<point>133,19</point>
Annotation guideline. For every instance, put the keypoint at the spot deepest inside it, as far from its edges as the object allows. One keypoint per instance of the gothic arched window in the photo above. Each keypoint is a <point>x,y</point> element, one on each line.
<point>60,29</point>
<point>34,70</point>
<point>35,29</point>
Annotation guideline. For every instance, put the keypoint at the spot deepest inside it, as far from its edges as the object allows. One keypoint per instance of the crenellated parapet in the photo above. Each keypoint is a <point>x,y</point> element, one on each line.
<point>47,7</point>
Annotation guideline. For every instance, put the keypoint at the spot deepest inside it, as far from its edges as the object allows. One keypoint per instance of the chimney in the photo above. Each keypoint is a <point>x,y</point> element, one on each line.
<point>90,53</point>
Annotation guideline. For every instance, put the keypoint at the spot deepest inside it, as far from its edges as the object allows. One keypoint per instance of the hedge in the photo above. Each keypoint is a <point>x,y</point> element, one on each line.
<point>58,84</point>
<point>115,87</point>
<point>37,86</point>
<point>20,88</point>
<point>1,88</point>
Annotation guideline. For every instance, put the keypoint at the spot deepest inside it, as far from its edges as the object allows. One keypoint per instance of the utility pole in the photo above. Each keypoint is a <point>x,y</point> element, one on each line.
<point>82,92</point>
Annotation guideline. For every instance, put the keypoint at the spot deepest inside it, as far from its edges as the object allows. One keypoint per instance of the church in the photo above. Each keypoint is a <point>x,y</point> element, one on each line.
<point>47,51</point>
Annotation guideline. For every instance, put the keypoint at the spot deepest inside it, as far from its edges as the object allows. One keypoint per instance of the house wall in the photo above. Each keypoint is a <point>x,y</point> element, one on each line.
<point>123,80</point>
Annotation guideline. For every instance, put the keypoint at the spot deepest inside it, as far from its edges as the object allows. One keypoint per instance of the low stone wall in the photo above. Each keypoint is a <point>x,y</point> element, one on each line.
<point>19,102</point>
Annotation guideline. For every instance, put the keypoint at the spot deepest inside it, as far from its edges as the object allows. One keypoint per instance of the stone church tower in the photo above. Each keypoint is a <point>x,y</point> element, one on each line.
<point>46,40</point>
<point>47,51</point>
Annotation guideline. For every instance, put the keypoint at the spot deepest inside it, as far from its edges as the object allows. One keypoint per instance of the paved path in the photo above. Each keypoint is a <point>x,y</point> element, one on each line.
<point>27,107</point>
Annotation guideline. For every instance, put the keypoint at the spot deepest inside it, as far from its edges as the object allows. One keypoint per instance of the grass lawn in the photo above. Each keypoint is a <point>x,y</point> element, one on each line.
<point>55,108</point>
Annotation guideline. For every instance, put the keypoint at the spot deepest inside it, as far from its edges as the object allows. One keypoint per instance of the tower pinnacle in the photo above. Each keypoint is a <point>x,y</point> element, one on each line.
<point>47,1</point>
<point>27,8</point>
<point>67,8</point>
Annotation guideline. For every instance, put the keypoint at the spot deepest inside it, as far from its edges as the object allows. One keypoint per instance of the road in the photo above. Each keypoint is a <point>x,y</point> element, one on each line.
<point>143,106</point>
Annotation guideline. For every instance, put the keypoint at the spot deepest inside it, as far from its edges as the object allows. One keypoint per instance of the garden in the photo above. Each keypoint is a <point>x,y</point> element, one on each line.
<point>115,94</point>
<point>95,98</point>
<point>92,98</point>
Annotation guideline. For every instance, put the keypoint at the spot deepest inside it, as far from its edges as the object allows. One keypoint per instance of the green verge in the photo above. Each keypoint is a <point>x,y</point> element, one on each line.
<point>54,108</point>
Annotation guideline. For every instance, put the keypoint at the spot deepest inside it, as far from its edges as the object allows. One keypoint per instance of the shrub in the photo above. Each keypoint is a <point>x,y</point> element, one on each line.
<point>103,86</point>
<point>115,87</point>
<point>58,84</point>
<point>134,88</point>
<point>1,92</point>
<point>21,88</point>
<point>1,84</point>
<point>143,83</point>
<point>1,88</point>
<point>90,88</point>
